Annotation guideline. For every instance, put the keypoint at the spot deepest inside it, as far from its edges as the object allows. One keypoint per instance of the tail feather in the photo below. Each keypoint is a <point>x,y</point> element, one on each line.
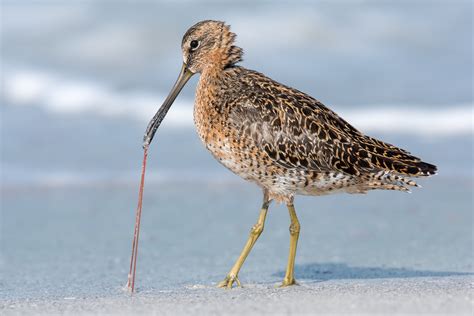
<point>427,168</point>
<point>377,185</point>
<point>391,158</point>
<point>390,178</point>
<point>386,180</point>
<point>403,167</point>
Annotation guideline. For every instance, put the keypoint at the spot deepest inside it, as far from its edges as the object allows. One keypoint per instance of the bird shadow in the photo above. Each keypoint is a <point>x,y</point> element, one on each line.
<point>339,271</point>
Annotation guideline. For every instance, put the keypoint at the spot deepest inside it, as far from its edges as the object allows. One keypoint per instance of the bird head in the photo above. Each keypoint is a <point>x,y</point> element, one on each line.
<point>207,46</point>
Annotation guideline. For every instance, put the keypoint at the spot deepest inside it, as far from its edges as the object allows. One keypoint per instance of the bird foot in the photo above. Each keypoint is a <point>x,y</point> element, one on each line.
<point>288,282</point>
<point>229,281</point>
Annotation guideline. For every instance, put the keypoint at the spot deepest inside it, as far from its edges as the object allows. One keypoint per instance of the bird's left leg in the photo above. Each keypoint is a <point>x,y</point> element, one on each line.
<point>294,234</point>
<point>254,234</point>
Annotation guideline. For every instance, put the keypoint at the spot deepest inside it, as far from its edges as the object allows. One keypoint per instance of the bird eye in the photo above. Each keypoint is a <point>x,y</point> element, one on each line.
<point>194,44</point>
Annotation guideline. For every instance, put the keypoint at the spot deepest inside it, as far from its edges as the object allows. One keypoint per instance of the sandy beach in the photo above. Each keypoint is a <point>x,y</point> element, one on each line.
<point>401,296</point>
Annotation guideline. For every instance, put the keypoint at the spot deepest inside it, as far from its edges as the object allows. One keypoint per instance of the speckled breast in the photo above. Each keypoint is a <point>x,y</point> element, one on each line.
<point>217,137</point>
<point>221,138</point>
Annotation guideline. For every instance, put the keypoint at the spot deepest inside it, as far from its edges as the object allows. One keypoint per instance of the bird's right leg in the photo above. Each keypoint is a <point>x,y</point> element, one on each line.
<point>255,232</point>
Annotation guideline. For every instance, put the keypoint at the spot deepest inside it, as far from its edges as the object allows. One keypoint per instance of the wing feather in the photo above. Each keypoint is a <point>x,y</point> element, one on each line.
<point>297,131</point>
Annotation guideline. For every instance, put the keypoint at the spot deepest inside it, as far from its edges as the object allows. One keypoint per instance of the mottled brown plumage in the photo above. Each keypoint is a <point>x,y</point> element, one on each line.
<point>282,139</point>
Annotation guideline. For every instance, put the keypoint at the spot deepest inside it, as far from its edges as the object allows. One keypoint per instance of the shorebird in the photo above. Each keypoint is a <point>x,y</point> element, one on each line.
<point>284,140</point>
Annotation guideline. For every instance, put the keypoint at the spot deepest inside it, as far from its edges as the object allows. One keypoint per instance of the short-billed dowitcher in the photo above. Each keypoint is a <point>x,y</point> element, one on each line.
<point>285,141</point>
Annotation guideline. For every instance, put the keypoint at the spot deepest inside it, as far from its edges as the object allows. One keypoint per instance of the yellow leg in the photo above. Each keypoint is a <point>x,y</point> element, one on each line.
<point>294,234</point>
<point>254,234</point>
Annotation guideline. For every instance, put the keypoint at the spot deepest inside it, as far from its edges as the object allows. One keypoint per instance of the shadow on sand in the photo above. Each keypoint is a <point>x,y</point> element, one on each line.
<point>338,271</point>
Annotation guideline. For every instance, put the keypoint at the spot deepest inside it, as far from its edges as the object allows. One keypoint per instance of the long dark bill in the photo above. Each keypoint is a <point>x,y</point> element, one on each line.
<point>155,122</point>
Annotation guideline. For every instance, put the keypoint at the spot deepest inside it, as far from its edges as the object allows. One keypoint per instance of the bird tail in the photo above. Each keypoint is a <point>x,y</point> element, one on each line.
<point>408,167</point>
<point>388,180</point>
<point>392,158</point>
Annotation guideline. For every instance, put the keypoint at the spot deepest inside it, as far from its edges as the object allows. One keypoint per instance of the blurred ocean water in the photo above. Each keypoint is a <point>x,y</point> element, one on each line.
<point>81,79</point>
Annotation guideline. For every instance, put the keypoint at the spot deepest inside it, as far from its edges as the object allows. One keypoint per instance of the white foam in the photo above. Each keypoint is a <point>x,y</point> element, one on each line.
<point>72,97</point>
<point>448,120</point>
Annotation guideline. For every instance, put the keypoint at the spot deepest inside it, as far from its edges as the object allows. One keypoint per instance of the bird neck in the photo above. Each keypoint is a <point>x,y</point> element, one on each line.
<point>225,55</point>
<point>220,61</point>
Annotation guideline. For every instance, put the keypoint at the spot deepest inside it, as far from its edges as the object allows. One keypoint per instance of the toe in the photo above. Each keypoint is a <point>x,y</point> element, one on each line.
<point>288,282</point>
<point>222,283</point>
<point>229,281</point>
